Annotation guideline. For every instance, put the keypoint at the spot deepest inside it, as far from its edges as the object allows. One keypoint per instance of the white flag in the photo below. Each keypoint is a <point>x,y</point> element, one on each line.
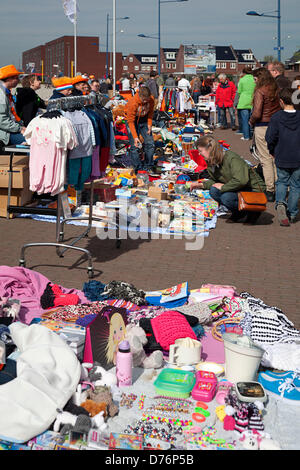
<point>70,8</point>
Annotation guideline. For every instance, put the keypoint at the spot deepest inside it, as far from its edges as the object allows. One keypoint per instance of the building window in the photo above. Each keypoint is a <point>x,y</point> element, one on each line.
<point>171,55</point>
<point>168,66</point>
<point>217,65</point>
<point>149,59</point>
<point>125,67</point>
<point>136,67</point>
<point>130,59</point>
<point>174,66</point>
<point>233,65</point>
<point>223,65</point>
<point>248,56</point>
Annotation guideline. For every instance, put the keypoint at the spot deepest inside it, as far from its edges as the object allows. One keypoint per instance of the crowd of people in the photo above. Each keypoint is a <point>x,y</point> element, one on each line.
<point>261,106</point>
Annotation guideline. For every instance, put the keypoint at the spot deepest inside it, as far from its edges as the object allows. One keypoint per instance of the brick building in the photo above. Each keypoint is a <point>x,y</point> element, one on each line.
<point>57,56</point>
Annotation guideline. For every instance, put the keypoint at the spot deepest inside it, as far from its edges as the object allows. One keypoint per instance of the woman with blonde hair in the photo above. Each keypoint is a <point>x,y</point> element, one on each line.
<point>228,174</point>
<point>117,331</point>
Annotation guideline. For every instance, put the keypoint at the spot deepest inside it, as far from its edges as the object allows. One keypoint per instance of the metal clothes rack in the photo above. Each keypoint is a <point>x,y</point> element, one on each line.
<point>67,103</point>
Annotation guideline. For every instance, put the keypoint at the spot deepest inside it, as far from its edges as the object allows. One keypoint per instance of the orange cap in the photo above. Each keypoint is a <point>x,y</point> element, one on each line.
<point>8,71</point>
<point>78,79</point>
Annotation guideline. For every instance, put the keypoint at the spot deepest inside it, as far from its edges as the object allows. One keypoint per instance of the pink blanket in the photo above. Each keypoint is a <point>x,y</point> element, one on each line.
<point>28,287</point>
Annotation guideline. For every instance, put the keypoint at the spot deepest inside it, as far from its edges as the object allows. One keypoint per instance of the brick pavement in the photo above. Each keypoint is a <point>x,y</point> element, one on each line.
<point>261,259</point>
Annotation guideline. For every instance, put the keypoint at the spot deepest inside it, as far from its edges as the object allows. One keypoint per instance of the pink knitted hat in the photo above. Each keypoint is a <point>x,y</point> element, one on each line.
<point>170,326</point>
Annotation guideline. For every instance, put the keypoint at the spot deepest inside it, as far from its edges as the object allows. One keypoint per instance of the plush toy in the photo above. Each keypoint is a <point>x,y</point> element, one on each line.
<point>102,394</point>
<point>94,408</point>
<point>137,340</point>
<point>81,423</point>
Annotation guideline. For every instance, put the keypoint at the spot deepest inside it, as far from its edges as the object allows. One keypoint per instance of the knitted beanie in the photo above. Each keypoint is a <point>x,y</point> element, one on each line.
<point>53,296</point>
<point>169,326</point>
<point>62,83</point>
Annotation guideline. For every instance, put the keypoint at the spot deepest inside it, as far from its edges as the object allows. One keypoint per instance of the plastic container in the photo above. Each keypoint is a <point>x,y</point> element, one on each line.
<point>174,383</point>
<point>124,364</point>
<point>242,358</point>
<point>204,391</point>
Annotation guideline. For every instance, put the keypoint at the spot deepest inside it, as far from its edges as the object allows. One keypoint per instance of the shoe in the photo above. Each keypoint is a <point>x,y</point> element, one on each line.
<point>270,196</point>
<point>282,389</point>
<point>293,220</point>
<point>282,215</point>
<point>239,133</point>
<point>243,138</point>
<point>252,218</point>
<point>223,127</point>
<point>290,374</point>
<point>233,128</point>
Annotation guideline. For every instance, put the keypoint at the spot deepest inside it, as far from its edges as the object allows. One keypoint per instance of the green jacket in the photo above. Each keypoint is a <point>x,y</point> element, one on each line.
<point>245,91</point>
<point>235,174</point>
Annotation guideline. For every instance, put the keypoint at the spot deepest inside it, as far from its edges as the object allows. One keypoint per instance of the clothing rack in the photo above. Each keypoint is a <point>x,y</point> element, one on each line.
<point>68,104</point>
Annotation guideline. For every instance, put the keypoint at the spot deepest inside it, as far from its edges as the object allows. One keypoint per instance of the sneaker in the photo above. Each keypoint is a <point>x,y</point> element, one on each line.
<point>233,128</point>
<point>243,138</point>
<point>282,215</point>
<point>239,133</point>
<point>283,389</point>
<point>290,374</point>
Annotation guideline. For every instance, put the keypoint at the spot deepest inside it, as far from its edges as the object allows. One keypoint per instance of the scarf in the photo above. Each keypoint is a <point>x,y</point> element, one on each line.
<point>12,105</point>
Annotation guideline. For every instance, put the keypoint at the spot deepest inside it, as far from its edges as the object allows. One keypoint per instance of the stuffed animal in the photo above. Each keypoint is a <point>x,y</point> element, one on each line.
<point>102,394</point>
<point>94,408</point>
<point>137,340</point>
<point>81,423</point>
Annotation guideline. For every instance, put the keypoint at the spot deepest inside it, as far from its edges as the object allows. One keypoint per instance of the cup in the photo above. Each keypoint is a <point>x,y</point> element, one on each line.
<point>185,351</point>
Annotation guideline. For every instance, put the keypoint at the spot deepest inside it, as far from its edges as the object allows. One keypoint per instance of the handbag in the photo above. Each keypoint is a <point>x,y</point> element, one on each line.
<point>252,201</point>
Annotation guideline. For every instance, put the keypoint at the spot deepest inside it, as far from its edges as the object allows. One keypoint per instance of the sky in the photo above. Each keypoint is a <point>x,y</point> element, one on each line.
<point>25,24</point>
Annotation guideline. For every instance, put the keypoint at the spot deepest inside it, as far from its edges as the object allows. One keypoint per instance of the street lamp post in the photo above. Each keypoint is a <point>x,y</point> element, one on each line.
<point>159,22</point>
<point>108,19</point>
<point>278,17</point>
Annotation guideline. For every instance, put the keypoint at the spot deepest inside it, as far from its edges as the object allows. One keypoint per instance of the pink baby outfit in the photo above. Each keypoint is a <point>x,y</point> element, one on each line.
<point>50,140</point>
<point>170,326</point>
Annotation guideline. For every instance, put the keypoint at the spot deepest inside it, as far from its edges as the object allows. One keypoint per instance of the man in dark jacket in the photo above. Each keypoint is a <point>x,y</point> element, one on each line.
<point>283,137</point>
<point>277,71</point>
<point>28,101</point>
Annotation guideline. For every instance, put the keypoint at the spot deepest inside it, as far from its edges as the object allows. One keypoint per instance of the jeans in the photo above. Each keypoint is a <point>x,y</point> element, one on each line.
<point>228,199</point>
<point>149,147</point>
<point>16,139</point>
<point>224,118</point>
<point>245,116</point>
<point>240,121</point>
<point>9,372</point>
<point>196,95</point>
<point>288,178</point>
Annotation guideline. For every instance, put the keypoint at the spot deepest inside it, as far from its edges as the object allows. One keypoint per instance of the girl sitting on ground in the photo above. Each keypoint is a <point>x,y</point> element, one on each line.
<point>228,174</point>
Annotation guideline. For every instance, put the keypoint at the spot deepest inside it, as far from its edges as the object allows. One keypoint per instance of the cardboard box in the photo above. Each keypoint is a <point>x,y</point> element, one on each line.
<point>19,197</point>
<point>157,193</point>
<point>20,176</point>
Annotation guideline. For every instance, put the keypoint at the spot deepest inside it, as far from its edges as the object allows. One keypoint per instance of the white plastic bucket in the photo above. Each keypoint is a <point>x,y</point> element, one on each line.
<point>241,361</point>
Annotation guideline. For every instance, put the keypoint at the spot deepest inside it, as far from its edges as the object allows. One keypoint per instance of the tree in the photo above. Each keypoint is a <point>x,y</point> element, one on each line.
<point>268,58</point>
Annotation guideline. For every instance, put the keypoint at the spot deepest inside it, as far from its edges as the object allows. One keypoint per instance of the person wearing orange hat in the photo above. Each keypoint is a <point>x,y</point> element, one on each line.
<point>79,85</point>
<point>11,126</point>
<point>62,87</point>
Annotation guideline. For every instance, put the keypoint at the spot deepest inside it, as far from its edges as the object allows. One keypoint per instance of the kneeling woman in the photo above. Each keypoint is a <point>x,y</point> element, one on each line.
<point>228,174</point>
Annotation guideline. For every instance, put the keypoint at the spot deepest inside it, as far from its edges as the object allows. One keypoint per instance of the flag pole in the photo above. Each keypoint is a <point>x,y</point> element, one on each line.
<point>114,46</point>
<point>75,37</point>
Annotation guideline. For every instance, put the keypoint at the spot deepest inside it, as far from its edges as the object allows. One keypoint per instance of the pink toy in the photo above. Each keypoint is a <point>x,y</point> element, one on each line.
<point>205,386</point>
<point>124,364</point>
<point>205,376</point>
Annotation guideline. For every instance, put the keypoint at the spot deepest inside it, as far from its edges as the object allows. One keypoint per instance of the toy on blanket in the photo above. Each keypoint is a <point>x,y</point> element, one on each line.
<point>80,423</point>
<point>101,383</point>
<point>137,340</point>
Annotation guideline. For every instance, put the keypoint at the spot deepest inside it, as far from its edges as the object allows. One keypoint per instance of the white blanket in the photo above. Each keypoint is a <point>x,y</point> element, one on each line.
<point>48,373</point>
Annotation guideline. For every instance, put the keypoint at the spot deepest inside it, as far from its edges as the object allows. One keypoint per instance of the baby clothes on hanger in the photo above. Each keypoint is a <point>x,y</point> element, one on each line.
<point>85,134</point>
<point>50,140</point>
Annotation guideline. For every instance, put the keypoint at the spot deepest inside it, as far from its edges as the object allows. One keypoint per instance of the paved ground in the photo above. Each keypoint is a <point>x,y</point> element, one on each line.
<point>261,259</point>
